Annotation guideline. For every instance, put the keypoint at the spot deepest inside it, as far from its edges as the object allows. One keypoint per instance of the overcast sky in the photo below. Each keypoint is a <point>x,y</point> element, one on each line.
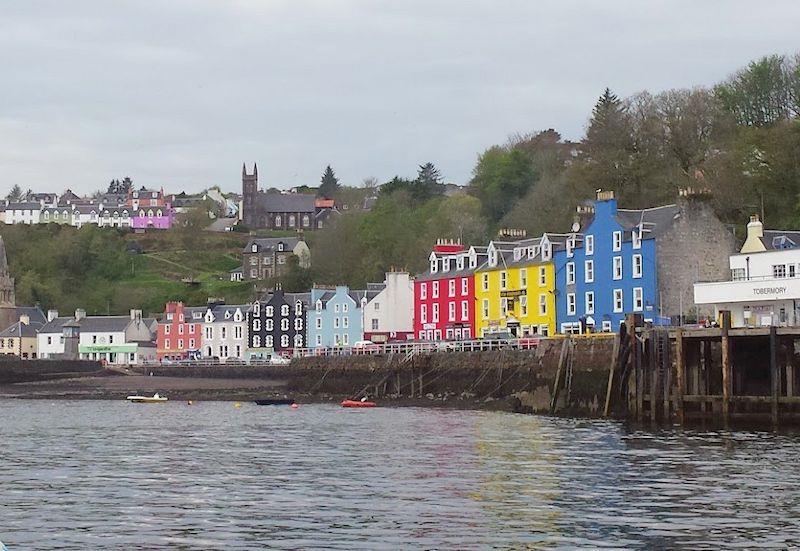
<point>179,93</point>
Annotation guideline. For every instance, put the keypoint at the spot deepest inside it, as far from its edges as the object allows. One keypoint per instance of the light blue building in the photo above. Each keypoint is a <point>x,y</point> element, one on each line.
<point>336,316</point>
<point>607,267</point>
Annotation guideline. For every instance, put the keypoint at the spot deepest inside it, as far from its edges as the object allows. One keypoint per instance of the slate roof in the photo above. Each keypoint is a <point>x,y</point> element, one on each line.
<point>781,239</point>
<point>104,324</point>
<point>271,243</point>
<point>305,298</point>
<point>454,272</point>
<point>20,329</point>
<point>33,312</point>
<point>219,312</point>
<point>287,202</point>
<point>55,325</point>
<point>23,205</point>
<point>655,221</point>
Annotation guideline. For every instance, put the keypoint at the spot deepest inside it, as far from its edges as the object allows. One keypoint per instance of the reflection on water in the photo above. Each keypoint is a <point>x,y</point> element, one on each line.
<point>84,475</point>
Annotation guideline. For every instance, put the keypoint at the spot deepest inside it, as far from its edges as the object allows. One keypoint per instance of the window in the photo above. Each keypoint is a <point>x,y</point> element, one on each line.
<point>345,308</point>
<point>191,344</point>
<point>49,340</point>
<point>588,271</point>
<point>485,308</point>
<point>318,323</point>
<point>435,289</point>
<point>191,329</point>
<point>336,322</point>
<point>345,322</point>
<point>452,288</point>
<point>237,332</point>
<point>617,267</point>
<point>306,221</point>
<point>542,276</point>
<point>460,263</point>
<point>298,341</point>
<point>738,274</point>
<point>464,286</point>
<point>446,265</point>
<point>638,305</point>
<point>298,308</point>
<point>542,305</point>
<point>434,266</point>
<point>180,344</point>
<point>637,265</point>
<point>268,342</point>
<point>503,307</point>
<point>523,305</point>
<point>451,311</point>
<point>285,310</point>
<point>257,324</point>
<point>523,278</point>
<point>570,304</point>
<point>423,291</point>
<point>618,307</point>
<point>435,315</point>
<point>636,238</point>
<point>588,245</point>
<point>166,344</point>
<point>546,250</point>
<point>485,281</point>
<point>285,338</point>
<point>345,339</point>
<point>570,247</point>
<point>570,273</point>
<point>223,332</point>
<point>617,240</point>
<point>269,324</point>
<point>285,324</point>
<point>464,310</point>
<point>166,329</point>
<point>336,308</point>
<point>791,268</point>
<point>256,341</point>
<point>374,324</point>
<point>589,302</point>
<point>779,270</point>
<point>423,313</point>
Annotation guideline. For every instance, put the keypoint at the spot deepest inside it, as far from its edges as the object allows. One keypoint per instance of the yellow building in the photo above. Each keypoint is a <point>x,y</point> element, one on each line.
<point>19,339</point>
<point>515,289</point>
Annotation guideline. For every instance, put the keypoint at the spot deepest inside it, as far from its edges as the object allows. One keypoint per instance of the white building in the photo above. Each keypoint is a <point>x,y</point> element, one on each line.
<point>225,332</point>
<point>764,288</point>
<point>389,315</point>
<point>113,339</point>
<point>22,213</point>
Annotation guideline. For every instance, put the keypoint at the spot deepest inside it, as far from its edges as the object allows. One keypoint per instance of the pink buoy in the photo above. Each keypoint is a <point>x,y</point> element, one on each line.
<point>295,406</point>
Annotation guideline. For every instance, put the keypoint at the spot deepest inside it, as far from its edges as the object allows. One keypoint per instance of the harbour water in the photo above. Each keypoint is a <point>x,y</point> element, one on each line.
<point>113,475</point>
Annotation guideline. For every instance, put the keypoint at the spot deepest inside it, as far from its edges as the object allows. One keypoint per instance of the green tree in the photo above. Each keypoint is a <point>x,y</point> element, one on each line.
<point>329,184</point>
<point>761,93</point>
<point>15,194</point>
<point>500,178</point>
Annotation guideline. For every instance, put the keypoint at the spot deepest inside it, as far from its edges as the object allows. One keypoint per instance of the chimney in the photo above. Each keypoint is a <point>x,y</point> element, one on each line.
<point>136,315</point>
<point>80,313</point>
<point>607,195</point>
<point>755,228</point>
<point>25,319</point>
<point>52,314</point>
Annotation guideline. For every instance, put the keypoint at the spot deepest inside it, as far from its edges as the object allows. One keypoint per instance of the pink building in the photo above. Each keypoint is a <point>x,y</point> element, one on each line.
<point>149,209</point>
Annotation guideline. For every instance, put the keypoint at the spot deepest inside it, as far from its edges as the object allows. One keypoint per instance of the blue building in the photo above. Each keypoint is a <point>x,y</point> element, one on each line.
<point>607,267</point>
<point>336,316</point>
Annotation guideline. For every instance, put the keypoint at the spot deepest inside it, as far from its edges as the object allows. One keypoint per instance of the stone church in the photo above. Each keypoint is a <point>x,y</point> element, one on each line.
<point>281,211</point>
<point>10,313</point>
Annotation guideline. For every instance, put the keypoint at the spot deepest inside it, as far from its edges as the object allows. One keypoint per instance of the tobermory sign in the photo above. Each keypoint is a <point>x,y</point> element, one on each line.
<point>769,291</point>
<point>512,294</point>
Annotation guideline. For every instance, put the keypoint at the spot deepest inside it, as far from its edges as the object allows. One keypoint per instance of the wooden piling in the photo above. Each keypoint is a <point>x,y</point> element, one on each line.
<point>775,372</point>
<point>653,366</point>
<point>726,366</point>
<point>611,370</point>
<point>680,368</point>
<point>557,383</point>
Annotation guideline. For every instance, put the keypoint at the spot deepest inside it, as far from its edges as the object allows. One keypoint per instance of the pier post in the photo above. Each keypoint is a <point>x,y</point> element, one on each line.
<point>726,366</point>
<point>636,357</point>
<point>774,372</point>
<point>653,366</point>
<point>680,370</point>
<point>611,370</point>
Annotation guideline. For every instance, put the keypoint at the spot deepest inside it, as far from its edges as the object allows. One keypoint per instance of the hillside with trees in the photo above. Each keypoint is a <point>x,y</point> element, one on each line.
<point>740,138</point>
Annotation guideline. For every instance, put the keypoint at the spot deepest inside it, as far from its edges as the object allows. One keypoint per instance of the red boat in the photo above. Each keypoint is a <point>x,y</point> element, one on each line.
<point>357,404</point>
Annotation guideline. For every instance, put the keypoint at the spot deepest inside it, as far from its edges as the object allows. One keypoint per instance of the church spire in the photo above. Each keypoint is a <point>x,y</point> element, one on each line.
<point>255,170</point>
<point>3,259</point>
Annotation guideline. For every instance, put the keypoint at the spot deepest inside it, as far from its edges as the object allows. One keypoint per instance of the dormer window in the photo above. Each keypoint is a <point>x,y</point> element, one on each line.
<point>460,263</point>
<point>473,262</point>
<point>446,266</point>
<point>319,306</point>
<point>517,254</point>
<point>433,266</point>
<point>227,315</point>
<point>280,246</point>
<point>570,246</point>
<point>254,248</point>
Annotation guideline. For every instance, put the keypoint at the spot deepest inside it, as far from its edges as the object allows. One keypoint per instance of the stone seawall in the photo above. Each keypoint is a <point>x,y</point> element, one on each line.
<point>511,380</point>
<point>14,370</point>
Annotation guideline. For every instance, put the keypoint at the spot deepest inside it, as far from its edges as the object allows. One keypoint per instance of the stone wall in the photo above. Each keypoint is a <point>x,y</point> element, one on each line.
<point>14,370</point>
<point>696,248</point>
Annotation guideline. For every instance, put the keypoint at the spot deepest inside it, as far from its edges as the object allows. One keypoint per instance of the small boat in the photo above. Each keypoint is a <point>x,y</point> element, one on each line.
<point>357,404</point>
<point>275,402</point>
<point>154,399</point>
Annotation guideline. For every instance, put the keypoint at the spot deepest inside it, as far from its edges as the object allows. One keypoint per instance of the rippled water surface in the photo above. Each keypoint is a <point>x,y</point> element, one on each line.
<point>112,475</point>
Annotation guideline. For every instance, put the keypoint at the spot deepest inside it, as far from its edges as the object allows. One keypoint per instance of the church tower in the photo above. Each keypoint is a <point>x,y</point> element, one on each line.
<point>249,196</point>
<point>8,308</point>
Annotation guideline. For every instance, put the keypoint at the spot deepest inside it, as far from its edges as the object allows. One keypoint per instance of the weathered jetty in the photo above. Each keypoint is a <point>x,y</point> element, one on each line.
<point>720,374</point>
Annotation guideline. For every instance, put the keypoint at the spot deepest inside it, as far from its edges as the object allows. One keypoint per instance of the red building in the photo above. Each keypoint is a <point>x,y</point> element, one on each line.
<point>444,296</point>
<point>139,198</point>
<point>180,333</point>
